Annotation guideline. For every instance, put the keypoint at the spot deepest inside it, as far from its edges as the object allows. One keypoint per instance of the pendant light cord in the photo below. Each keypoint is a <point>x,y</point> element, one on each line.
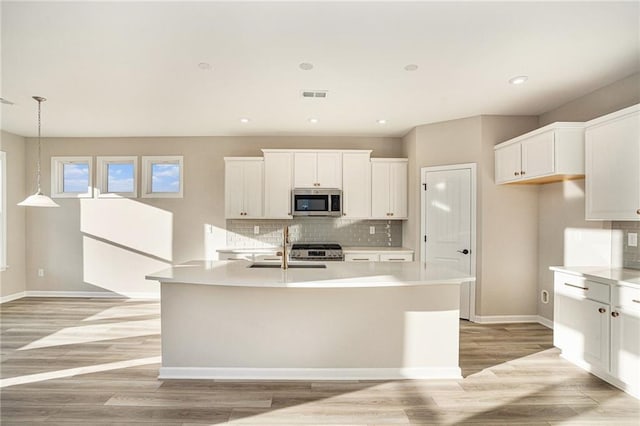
<point>39,147</point>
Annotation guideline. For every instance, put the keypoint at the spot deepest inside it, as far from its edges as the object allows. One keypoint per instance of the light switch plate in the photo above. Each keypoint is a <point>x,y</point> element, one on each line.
<point>256,229</point>
<point>372,230</point>
<point>632,239</point>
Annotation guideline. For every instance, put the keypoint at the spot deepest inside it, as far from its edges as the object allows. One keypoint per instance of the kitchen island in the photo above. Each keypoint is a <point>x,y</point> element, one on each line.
<point>239,320</point>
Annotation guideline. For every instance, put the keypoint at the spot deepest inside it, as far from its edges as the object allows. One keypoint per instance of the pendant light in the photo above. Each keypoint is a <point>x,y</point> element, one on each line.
<point>38,199</point>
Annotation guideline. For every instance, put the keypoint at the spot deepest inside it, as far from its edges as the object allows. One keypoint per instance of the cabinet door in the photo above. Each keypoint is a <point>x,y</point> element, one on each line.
<point>356,186</point>
<point>329,169</point>
<point>233,194</point>
<point>625,346</point>
<point>508,163</point>
<point>581,330</point>
<point>398,190</point>
<point>613,169</point>
<point>252,188</point>
<point>278,177</point>
<point>305,169</point>
<point>538,157</point>
<point>380,190</point>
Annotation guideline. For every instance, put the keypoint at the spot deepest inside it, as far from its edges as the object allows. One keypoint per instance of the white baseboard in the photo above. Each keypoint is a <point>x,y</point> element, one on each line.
<point>546,322</point>
<point>309,373</point>
<point>502,319</point>
<point>81,294</point>
<point>10,297</point>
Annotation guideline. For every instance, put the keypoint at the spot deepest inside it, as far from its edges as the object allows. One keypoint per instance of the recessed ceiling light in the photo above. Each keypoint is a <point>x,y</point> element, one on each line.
<point>204,66</point>
<point>519,79</point>
<point>411,67</point>
<point>382,121</point>
<point>244,120</point>
<point>313,120</point>
<point>306,66</point>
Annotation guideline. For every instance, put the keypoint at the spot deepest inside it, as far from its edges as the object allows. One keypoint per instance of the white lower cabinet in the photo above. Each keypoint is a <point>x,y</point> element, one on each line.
<point>361,257</point>
<point>625,335</point>
<point>597,326</point>
<point>371,255</point>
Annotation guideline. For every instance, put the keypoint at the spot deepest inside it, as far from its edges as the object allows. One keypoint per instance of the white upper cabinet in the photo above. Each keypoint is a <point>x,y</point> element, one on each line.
<point>243,187</point>
<point>613,166</point>
<point>278,180</point>
<point>356,185</point>
<point>389,188</point>
<point>549,154</point>
<point>317,169</point>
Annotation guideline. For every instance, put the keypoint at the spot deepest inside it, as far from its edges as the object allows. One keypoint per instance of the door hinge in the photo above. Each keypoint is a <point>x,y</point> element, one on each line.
<point>425,186</point>
<point>425,238</point>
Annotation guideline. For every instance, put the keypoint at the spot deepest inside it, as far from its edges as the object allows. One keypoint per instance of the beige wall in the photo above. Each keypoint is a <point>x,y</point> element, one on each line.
<point>12,280</point>
<point>507,217</point>
<point>562,205</point>
<point>618,95</point>
<point>97,245</point>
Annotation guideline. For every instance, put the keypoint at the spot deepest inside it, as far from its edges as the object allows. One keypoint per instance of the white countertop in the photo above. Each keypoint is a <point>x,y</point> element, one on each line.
<point>337,275</point>
<point>600,273</point>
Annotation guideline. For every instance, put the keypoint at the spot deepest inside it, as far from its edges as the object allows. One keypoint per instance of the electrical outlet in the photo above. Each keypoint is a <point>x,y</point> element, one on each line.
<point>40,272</point>
<point>372,230</point>
<point>256,230</point>
<point>632,239</point>
<point>544,296</point>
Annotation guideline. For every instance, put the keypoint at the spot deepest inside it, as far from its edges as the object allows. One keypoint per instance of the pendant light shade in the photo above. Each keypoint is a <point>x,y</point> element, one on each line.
<point>38,199</point>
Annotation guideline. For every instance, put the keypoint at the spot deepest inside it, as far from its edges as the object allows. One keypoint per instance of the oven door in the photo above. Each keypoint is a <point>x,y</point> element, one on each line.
<point>310,204</point>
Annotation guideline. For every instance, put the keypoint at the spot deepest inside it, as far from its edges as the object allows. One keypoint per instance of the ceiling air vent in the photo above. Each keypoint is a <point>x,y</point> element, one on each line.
<point>315,94</point>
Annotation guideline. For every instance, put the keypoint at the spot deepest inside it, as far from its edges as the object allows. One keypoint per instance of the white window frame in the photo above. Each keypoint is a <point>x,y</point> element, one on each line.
<point>102,176</point>
<point>148,162</point>
<point>3,212</point>
<point>57,177</point>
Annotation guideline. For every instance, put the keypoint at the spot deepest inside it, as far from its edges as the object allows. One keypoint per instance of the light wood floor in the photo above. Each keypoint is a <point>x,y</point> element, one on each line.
<point>94,362</point>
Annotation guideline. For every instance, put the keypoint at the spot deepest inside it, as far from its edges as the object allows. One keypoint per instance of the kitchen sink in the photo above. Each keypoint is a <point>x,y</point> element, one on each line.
<point>291,266</point>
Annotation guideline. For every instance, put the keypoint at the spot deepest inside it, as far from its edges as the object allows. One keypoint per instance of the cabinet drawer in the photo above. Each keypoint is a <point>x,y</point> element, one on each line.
<point>400,257</point>
<point>626,297</point>
<point>361,257</point>
<point>267,258</point>
<point>236,256</point>
<point>580,287</point>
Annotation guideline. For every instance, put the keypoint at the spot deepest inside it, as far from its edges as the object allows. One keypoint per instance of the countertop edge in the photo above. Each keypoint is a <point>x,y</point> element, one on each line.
<point>609,275</point>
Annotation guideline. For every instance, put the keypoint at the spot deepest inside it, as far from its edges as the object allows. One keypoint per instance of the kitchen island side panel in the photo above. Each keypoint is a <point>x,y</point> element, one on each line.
<point>222,327</point>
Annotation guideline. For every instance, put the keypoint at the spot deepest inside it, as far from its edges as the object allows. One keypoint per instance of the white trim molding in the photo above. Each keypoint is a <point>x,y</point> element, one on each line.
<point>309,373</point>
<point>12,297</point>
<point>504,319</point>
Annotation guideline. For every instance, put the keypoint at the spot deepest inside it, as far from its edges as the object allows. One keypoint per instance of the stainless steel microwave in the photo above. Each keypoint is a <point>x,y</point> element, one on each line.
<point>316,202</point>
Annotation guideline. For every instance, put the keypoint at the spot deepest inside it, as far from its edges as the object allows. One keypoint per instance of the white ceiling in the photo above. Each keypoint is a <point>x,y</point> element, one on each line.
<point>131,69</point>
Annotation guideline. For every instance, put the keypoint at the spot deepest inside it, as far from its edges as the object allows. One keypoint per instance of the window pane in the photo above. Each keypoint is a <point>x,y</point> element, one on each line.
<point>120,177</point>
<point>75,177</point>
<point>165,177</point>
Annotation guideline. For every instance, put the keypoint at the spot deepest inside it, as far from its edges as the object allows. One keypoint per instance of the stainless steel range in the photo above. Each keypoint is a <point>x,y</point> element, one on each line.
<point>316,251</point>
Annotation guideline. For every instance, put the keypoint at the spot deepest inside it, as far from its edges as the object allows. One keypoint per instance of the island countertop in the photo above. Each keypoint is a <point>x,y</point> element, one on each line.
<point>237,273</point>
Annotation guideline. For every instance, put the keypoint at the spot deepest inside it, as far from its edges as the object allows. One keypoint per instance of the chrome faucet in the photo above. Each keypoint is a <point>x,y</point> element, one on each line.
<point>283,253</point>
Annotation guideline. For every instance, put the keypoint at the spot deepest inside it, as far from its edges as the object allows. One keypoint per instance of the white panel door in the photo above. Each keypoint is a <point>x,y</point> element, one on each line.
<point>538,157</point>
<point>447,224</point>
<point>253,188</point>
<point>380,190</point>
<point>612,169</point>
<point>234,196</point>
<point>329,169</point>
<point>398,190</point>
<point>625,346</point>
<point>305,166</point>
<point>356,186</point>
<point>508,163</point>
<point>278,178</point>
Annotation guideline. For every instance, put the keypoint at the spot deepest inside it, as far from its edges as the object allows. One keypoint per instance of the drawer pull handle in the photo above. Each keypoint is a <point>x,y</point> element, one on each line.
<point>577,286</point>
<point>395,259</point>
<point>615,314</point>
<point>357,258</point>
<point>602,310</point>
<point>635,301</point>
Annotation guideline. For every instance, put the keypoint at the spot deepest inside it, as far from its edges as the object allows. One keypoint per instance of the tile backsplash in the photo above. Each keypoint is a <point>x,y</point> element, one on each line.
<point>349,233</point>
<point>630,255</point>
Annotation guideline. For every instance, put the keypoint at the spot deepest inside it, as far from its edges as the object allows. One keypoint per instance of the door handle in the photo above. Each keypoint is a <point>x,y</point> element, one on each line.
<point>465,251</point>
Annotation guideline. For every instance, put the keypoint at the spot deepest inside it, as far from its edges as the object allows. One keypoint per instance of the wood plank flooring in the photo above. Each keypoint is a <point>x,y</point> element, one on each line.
<point>95,362</point>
